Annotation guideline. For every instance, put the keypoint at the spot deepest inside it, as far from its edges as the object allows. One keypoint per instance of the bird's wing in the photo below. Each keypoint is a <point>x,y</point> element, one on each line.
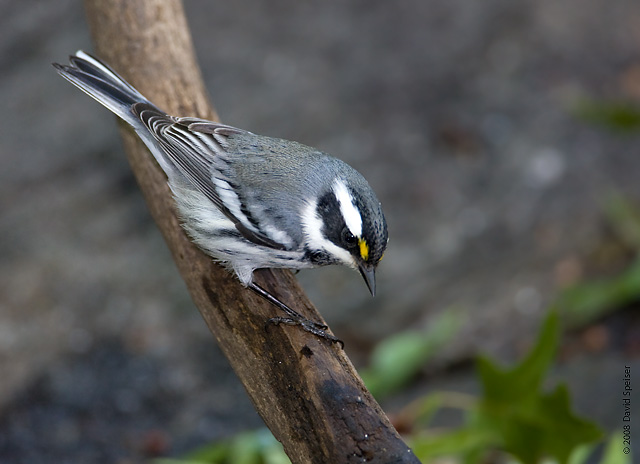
<point>194,147</point>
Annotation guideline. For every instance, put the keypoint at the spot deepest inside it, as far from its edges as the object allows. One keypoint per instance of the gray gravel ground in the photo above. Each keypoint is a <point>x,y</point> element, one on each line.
<point>459,114</point>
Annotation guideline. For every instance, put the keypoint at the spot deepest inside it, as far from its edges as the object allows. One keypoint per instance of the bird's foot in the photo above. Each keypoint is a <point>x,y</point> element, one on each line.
<point>294,317</point>
<point>315,328</point>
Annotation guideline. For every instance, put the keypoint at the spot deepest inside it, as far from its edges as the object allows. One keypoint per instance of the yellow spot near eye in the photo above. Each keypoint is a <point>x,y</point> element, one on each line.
<point>364,249</point>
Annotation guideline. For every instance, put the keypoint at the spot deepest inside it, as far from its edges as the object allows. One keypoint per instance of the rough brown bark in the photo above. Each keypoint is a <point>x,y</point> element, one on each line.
<point>305,389</point>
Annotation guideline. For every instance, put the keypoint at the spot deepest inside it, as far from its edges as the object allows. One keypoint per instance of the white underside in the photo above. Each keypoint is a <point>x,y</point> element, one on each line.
<point>238,254</point>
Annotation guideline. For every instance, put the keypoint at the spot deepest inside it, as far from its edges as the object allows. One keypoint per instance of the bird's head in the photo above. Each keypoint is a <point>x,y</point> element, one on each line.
<point>346,225</point>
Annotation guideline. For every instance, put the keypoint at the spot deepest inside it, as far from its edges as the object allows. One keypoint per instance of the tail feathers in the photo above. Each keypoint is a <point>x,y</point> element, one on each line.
<point>99,81</point>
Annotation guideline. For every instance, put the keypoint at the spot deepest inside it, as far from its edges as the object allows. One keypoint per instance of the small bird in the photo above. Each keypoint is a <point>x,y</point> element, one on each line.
<point>247,200</point>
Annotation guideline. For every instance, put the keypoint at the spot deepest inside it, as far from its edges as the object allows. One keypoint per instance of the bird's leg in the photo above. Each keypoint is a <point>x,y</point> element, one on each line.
<point>294,317</point>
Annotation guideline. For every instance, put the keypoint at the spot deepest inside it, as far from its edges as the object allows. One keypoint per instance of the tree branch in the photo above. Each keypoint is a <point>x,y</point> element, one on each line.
<point>305,389</point>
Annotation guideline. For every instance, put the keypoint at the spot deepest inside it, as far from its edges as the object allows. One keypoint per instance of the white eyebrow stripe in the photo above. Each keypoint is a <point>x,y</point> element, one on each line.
<point>350,213</point>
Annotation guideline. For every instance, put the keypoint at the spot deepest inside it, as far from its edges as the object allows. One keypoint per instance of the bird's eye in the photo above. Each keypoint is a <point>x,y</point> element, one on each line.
<point>348,238</point>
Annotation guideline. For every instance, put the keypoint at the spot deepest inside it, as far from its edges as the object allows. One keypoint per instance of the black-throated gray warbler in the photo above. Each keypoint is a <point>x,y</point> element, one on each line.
<point>250,201</point>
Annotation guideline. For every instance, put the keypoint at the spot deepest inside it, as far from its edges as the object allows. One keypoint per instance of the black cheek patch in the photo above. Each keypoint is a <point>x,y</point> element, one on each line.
<point>329,210</point>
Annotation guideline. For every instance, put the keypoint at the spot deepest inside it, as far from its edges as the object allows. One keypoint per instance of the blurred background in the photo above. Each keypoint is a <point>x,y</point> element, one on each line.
<point>499,136</point>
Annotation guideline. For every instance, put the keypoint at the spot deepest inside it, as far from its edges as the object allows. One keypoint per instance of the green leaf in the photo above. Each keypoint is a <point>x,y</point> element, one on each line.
<point>549,428</point>
<point>580,454</point>
<point>582,303</point>
<point>181,461</point>
<point>254,447</point>
<point>620,116</point>
<point>397,359</point>
<point>524,380</point>
<point>271,449</point>
<point>466,440</point>
<point>531,424</point>
<point>613,451</point>
<point>213,453</point>
<point>245,449</point>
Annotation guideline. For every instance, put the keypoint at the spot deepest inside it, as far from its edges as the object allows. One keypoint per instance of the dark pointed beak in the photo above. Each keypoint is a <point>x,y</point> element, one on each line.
<point>369,276</point>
